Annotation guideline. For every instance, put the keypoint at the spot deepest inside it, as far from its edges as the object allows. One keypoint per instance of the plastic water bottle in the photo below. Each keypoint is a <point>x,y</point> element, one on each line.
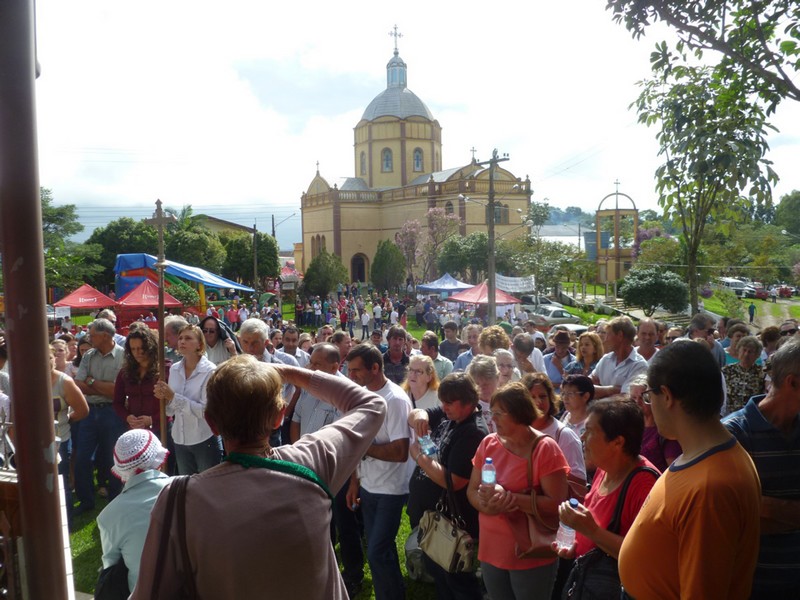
<point>565,536</point>
<point>427,446</point>
<point>488,472</point>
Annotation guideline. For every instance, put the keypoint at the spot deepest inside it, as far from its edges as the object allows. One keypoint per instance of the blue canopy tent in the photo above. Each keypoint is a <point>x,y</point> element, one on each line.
<point>445,284</point>
<point>132,269</point>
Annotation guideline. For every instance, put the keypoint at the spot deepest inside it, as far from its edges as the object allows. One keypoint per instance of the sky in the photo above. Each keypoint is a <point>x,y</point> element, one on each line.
<point>229,106</point>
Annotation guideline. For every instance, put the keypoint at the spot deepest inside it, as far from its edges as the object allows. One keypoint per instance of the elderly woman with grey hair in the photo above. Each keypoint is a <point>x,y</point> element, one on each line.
<point>483,371</point>
<point>507,366</point>
<point>745,378</point>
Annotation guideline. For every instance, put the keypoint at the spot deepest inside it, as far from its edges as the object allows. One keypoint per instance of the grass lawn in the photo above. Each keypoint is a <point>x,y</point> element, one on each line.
<point>87,554</point>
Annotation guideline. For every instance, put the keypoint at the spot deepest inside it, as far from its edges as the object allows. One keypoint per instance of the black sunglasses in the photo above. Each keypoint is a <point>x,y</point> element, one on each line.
<point>788,332</point>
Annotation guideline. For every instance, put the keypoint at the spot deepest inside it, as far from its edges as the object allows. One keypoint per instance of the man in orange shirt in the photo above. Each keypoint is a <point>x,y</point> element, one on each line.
<point>697,534</point>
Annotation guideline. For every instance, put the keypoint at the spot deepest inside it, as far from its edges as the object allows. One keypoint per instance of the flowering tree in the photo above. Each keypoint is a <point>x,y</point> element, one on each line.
<point>441,225</point>
<point>407,239</point>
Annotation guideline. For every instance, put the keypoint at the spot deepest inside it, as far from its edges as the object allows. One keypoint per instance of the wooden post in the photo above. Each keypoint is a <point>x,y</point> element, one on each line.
<point>44,568</point>
<point>159,220</point>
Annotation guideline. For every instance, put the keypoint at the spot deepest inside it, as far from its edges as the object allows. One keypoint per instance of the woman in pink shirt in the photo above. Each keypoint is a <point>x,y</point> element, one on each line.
<point>502,505</point>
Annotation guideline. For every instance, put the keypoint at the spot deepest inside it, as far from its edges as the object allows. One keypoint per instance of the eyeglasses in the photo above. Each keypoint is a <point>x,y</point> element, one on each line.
<point>788,332</point>
<point>496,414</point>
<point>417,371</point>
<point>210,330</point>
<point>647,397</point>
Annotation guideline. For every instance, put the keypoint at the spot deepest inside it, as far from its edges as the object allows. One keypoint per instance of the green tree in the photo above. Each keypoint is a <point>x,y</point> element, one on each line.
<point>58,222</point>
<point>66,264</point>
<point>756,42</point>
<point>239,257</point>
<point>787,213</point>
<point>122,236</point>
<point>195,247</point>
<point>388,266</point>
<point>713,142</point>
<point>185,293</point>
<point>651,288</point>
<point>322,275</point>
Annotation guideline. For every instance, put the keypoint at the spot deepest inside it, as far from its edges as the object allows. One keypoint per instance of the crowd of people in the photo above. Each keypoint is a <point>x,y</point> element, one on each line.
<point>679,445</point>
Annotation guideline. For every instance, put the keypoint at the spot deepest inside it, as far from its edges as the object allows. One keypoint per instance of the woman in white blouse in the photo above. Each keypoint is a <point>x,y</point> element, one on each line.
<point>196,447</point>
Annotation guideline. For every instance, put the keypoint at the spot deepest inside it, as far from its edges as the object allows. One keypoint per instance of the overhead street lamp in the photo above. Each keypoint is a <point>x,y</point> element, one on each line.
<point>790,234</point>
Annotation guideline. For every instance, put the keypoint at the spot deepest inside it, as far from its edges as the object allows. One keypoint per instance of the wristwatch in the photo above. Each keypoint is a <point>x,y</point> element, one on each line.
<point>90,381</point>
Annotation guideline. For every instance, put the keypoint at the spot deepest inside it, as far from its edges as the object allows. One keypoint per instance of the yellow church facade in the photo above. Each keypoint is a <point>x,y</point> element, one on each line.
<point>398,176</point>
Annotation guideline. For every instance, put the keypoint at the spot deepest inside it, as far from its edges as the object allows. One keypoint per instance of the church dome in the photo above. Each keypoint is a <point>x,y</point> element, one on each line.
<point>396,100</point>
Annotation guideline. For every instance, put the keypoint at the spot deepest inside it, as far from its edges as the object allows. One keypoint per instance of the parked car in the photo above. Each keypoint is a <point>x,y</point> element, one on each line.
<point>530,303</point>
<point>762,293</point>
<point>547,316</point>
<point>52,320</point>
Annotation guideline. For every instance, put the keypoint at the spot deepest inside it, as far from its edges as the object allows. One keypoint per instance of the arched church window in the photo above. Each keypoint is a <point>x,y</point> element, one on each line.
<point>363,163</point>
<point>448,207</point>
<point>386,161</point>
<point>418,159</point>
<point>323,245</point>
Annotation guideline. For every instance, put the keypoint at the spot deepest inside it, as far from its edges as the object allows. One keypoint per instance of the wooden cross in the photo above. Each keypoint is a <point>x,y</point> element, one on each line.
<point>616,183</point>
<point>473,150</point>
<point>158,221</point>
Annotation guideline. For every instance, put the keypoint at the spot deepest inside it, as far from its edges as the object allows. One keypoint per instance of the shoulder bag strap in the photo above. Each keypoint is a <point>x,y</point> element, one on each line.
<point>188,575</point>
<point>164,542</point>
<point>534,508</point>
<point>451,500</point>
<point>274,464</point>
<point>616,522</point>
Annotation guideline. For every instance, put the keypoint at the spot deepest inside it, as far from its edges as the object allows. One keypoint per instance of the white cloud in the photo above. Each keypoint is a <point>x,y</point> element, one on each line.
<point>229,106</point>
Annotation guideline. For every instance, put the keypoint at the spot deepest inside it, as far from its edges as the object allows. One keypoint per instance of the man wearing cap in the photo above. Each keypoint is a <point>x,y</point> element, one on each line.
<point>124,522</point>
<point>556,361</point>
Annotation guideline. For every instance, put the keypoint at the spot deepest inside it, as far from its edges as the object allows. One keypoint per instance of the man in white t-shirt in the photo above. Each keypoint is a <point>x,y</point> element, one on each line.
<point>381,485</point>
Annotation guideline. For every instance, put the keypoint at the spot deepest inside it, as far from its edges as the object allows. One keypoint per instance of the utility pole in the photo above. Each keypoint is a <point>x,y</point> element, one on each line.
<point>255,254</point>
<point>490,285</point>
<point>159,220</point>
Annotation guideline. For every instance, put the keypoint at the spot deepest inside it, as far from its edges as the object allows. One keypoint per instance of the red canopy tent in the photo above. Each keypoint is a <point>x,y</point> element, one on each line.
<point>145,295</point>
<point>480,295</point>
<point>86,297</point>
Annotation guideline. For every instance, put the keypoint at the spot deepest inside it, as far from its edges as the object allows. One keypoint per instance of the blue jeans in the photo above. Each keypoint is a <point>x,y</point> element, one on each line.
<point>349,529</point>
<point>382,514</point>
<point>198,457</point>
<point>98,433</point>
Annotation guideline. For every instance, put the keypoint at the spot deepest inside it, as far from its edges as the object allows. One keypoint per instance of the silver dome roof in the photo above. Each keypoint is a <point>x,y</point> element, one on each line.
<point>396,102</point>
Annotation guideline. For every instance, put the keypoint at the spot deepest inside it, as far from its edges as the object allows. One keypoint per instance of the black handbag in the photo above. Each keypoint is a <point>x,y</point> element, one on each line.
<point>112,583</point>
<point>595,575</point>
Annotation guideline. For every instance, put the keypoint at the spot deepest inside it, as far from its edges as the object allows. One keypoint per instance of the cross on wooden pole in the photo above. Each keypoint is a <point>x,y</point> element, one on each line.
<point>158,221</point>
<point>473,150</point>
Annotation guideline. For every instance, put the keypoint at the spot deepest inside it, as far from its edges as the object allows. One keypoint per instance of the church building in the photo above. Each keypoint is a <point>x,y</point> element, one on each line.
<point>398,176</point>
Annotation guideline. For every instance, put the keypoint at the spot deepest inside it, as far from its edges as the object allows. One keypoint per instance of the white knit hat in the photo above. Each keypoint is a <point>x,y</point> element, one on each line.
<point>136,451</point>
